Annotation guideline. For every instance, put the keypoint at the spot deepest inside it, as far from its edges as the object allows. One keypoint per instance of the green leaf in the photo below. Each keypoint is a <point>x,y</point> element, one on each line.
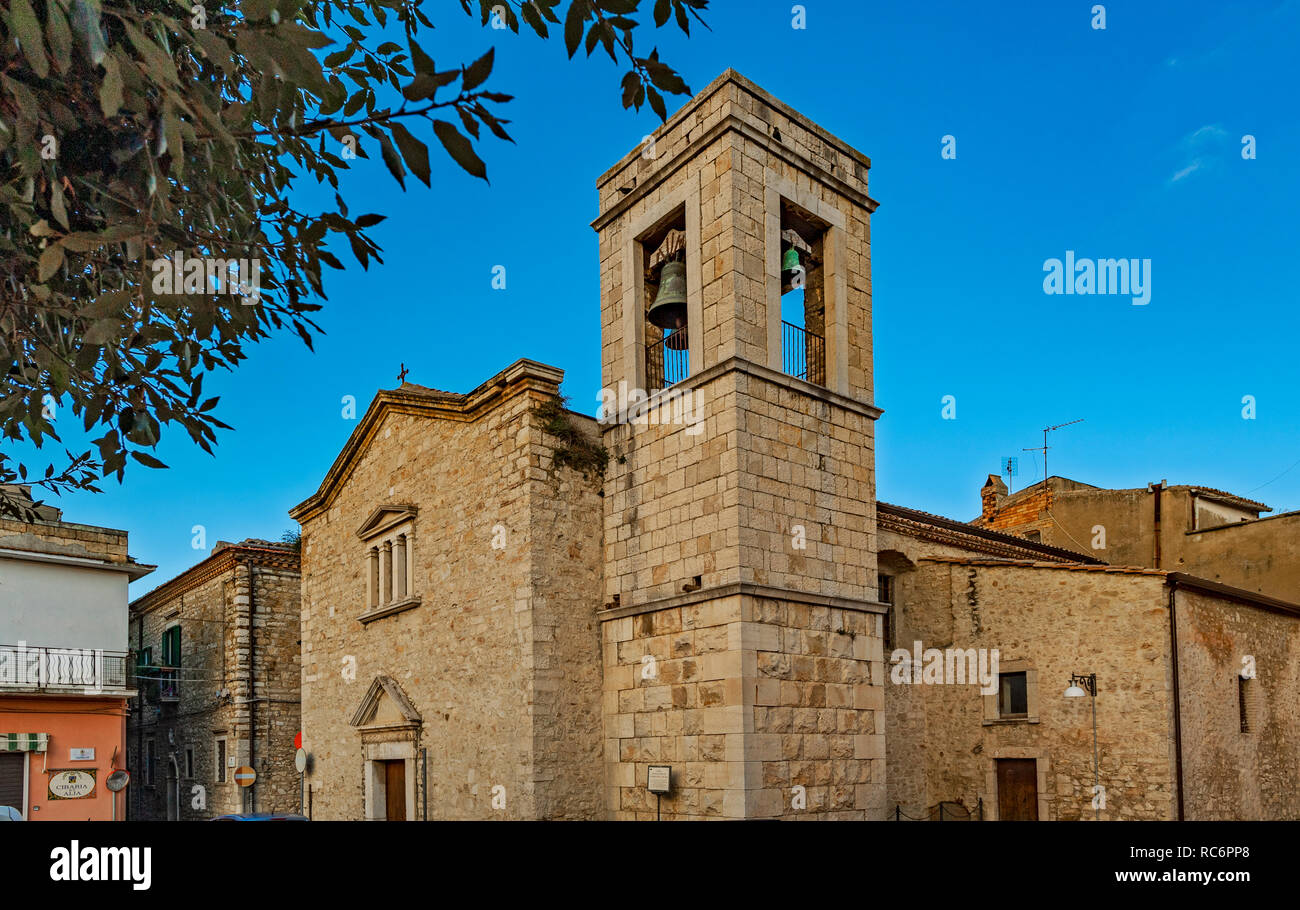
<point>215,49</point>
<point>423,62</point>
<point>657,104</point>
<point>49,262</point>
<point>102,331</point>
<point>338,58</point>
<point>85,23</point>
<point>421,87</point>
<point>57,207</point>
<point>81,242</point>
<point>59,35</point>
<point>460,149</point>
<point>147,460</point>
<point>533,19</point>
<point>478,71</point>
<point>414,151</point>
<point>110,91</point>
<point>27,29</point>
<point>573,26</point>
<point>631,82</point>
<point>392,159</point>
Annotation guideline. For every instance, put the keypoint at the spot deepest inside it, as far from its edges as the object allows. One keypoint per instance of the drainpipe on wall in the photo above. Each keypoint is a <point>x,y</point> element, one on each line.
<point>1178,708</point>
<point>252,692</point>
<point>139,721</point>
<point>1156,489</point>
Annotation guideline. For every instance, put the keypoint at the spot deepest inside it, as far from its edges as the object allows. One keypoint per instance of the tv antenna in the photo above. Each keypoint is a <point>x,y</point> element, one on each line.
<point>1044,447</point>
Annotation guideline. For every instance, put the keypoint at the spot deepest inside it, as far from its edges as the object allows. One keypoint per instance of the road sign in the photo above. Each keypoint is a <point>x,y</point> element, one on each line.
<point>297,740</point>
<point>245,776</point>
<point>300,760</point>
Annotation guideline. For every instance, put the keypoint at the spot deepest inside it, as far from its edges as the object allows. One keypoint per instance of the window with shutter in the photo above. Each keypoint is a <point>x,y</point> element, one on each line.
<point>171,660</point>
<point>146,674</point>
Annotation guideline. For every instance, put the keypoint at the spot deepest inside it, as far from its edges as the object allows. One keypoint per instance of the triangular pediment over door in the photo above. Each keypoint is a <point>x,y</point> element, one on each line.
<point>385,705</point>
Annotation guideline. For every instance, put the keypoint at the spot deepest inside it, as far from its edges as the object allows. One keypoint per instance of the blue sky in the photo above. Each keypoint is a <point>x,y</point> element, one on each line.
<point>1117,143</point>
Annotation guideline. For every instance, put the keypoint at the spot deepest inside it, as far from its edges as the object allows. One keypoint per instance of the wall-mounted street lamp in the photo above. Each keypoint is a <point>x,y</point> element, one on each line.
<point>1080,686</point>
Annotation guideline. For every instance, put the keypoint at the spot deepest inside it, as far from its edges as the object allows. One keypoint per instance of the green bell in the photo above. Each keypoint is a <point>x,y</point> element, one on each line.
<point>790,266</point>
<point>669,309</point>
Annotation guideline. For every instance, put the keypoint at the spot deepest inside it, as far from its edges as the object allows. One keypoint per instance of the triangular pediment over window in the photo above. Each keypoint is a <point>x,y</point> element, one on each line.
<point>385,518</point>
<point>385,704</point>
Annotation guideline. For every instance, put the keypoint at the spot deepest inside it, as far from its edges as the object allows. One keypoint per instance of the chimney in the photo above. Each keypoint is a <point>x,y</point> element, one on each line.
<point>992,494</point>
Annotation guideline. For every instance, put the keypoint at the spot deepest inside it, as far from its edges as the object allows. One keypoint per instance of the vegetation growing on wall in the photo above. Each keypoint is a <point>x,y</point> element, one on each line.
<point>572,447</point>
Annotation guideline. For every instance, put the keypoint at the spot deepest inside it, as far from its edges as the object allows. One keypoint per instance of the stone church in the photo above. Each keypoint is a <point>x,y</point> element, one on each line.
<point>682,611</point>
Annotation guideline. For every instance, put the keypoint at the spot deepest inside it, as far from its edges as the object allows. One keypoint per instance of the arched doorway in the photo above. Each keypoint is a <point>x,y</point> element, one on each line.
<point>173,790</point>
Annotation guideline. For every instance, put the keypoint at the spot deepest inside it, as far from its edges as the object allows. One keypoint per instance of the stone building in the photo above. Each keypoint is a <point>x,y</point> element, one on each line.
<point>512,611</point>
<point>64,683</point>
<point>1198,530</point>
<point>451,570</point>
<point>217,672</point>
<point>1196,682</point>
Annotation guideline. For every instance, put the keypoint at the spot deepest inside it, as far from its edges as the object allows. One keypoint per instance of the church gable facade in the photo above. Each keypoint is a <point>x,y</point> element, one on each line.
<point>436,613</point>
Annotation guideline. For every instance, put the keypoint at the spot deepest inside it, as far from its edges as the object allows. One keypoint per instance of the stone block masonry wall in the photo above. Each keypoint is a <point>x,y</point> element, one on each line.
<point>672,502</point>
<point>1228,773</point>
<point>277,676</point>
<point>194,720</point>
<point>944,740</point>
<point>806,492</point>
<point>64,537</point>
<point>500,659</point>
<point>460,655</point>
<point>763,709</point>
<point>214,694</point>
<point>566,577</point>
<point>818,712</point>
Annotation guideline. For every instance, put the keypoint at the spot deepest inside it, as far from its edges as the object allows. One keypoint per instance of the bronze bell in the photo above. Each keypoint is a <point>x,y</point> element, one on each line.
<point>677,341</point>
<point>669,309</point>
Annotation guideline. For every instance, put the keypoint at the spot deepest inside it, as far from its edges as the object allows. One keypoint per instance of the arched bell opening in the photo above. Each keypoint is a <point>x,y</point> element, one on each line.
<point>666,332</point>
<point>803,293</point>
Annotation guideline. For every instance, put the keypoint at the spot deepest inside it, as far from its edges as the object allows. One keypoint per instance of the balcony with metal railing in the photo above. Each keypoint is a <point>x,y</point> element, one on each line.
<point>667,361</point>
<point>82,670</point>
<point>803,353</point>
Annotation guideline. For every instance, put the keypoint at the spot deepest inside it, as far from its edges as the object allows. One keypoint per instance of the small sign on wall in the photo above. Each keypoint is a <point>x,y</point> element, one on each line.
<point>81,755</point>
<point>659,779</point>
<point>72,784</point>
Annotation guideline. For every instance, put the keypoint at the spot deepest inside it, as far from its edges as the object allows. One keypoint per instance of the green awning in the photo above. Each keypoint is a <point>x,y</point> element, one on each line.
<point>24,742</point>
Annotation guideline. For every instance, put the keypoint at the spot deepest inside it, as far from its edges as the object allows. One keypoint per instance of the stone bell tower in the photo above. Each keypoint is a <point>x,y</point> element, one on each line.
<point>740,623</point>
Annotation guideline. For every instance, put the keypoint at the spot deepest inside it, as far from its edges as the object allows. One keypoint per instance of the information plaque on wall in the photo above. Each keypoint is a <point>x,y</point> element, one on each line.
<point>70,784</point>
<point>659,779</point>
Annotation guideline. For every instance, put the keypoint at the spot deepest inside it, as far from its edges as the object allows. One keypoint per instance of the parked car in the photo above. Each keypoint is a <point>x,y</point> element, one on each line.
<point>262,817</point>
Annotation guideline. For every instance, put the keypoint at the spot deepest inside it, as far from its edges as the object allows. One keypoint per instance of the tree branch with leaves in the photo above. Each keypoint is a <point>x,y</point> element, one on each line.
<point>137,134</point>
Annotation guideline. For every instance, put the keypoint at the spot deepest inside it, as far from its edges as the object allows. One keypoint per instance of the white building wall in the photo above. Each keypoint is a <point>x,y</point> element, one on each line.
<point>57,605</point>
